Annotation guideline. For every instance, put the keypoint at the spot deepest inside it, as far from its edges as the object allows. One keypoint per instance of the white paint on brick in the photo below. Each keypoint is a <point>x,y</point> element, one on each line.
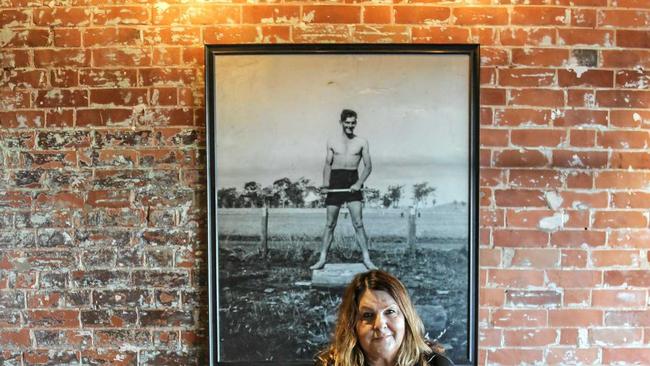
<point>553,200</point>
<point>309,17</point>
<point>578,205</point>
<point>6,35</point>
<point>161,6</point>
<point>583,338</point>
<point>553,223</point>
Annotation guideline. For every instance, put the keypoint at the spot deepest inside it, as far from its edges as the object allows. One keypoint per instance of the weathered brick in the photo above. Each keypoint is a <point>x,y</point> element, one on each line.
<point>63,338</point>
<point>99,278</point>
<point>166,318</point>
<point>161,278</point>
<point>109,318</point>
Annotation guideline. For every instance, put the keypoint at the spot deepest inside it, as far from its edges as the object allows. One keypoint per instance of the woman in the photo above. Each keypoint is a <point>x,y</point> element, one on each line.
<point>378,326</point>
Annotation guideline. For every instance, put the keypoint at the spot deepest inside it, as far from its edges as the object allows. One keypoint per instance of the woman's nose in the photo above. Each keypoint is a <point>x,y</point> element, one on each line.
<point>380,321</point>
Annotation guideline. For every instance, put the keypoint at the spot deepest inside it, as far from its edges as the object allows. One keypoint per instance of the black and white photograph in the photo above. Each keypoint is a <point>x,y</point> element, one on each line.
<point>327,161</point>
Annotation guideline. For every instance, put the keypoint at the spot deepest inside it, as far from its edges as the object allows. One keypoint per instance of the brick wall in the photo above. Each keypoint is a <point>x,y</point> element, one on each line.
<point>102,184</point>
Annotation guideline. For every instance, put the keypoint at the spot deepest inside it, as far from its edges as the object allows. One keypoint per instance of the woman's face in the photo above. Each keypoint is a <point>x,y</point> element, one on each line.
<point>380,327</point>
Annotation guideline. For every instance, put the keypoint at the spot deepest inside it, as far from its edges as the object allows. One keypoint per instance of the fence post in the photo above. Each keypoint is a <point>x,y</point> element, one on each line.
<point>411,229</point>
<point>264,245</point>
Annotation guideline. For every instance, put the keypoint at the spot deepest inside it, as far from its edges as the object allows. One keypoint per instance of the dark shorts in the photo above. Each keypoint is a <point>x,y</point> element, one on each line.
<point>342,179</point>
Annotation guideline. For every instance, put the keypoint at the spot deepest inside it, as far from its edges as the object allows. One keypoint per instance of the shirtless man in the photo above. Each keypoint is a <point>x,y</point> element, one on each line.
<point>344,152</point>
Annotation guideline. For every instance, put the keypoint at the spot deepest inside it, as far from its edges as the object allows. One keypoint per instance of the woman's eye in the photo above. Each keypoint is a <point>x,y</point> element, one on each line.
<point>366,316</point>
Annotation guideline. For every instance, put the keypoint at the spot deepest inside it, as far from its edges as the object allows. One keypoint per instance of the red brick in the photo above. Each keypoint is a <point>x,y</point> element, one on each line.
<point>58,200</point>
<point>57,98</point>
<point>251,34</point>
<point>332,14</point>
<point>536,258</point>
<point>633,39</point>
<point>577,238</point>
<point>193,56</point>
<point>415,14</point>
<point>540,57</point>
<point>533,298</point>
<point>579,159</point>
<point>122,36</point>
<point>197,14</point>
<point>494,56</point>
<point>66,17</point>
<point>64,78</point>
<point>27,38</point>
<point>427,34</point>
<point>530,337</point>
<point>53,318</point>
<point>586,37</point>
<point>484,157</point>
<point>67,37</point>
<point>536,97</point>
<point>24,79</point>
<point>277,14</point>
<point>629,238</point>
<point>576,298</point>
<point>68,57</point>
<point>112,199</point>
<point>15,338</point>
<point>588,78</point>
<point>120,15</point>
<point>631,200</point>
<point>515,278</point>
<point>527,218</point>
<point>489,338</point>
<point>630,160</point>
<point>505,356</point>
<point>618,298</point>
<point>480,16</point>
<point>623,18</point>
<point>619,219</point>
<point>615,336</point>
<point>22,119</point>
<point>536,178</point>
<point>13,18</point>
<point>581,117</point>
<point>572,356</point>
<point>491,96</point>
<point>581,98</point>
<point>623,98</point>
<point>538,137</point>
<point>14,58</point>
<point>579,180</point>
<point>539,16</point>
<point>491,177</point>
<point>519,318</point>
<point>575,317</point>
<point>632,355</point>
<point>519,238</point>
<point>45,357</point>
<point>586,200</point>
<point>625,58</point>
<point>527,36</point>
<point>494,137</point>
<point>484,36</point>
<point>118,97</point>
<point>633,318</point>
<point>166,56</point>
<point>566,278</point>
<point>634,79</point>
<point>629,278</point>
<point>518,117</point>
<point>59,118</point>
<point>581,17</point>
<point>519,198</point>
<point>582,138</point>
<point>517,158</point>
<point>533,77</point>
<point>126,56</point>
<point>633,4</point>
<point>490,257</point>
<point>623,180</point>
<point>176,35</point>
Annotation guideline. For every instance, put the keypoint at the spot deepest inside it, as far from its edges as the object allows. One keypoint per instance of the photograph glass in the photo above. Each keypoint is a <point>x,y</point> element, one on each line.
<point>329,159</point>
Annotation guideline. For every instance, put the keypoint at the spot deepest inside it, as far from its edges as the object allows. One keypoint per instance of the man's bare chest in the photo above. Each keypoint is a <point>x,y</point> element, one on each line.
<point>349,148</point>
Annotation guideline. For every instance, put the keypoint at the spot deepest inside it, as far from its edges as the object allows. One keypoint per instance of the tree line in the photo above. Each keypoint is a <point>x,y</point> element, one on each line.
<point>302,193</point>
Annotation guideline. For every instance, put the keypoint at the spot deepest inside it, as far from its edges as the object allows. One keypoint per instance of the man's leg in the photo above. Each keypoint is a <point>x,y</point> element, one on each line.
<point>362,238</point>
<point>328,235</point>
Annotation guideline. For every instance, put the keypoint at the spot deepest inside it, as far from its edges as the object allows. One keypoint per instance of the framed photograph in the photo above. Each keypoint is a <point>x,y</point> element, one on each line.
<point>325,161</point>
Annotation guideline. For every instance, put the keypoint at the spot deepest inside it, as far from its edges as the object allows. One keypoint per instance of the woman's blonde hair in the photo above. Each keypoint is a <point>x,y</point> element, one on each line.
<point>345,350</point>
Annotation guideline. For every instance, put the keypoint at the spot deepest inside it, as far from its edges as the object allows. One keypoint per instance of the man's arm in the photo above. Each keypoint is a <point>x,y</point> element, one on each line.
<point>367,166</point>
<point>327,168</point>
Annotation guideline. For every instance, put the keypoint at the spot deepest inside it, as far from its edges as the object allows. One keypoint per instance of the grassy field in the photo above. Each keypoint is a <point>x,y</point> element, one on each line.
<point>440,223</point>
<point>269,310</point>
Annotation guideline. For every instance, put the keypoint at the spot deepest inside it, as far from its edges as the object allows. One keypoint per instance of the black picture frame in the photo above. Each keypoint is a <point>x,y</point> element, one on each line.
<point>370,55</point>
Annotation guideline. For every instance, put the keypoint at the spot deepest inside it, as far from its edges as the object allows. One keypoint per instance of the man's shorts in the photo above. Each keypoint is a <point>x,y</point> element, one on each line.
<point>342,179</point>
